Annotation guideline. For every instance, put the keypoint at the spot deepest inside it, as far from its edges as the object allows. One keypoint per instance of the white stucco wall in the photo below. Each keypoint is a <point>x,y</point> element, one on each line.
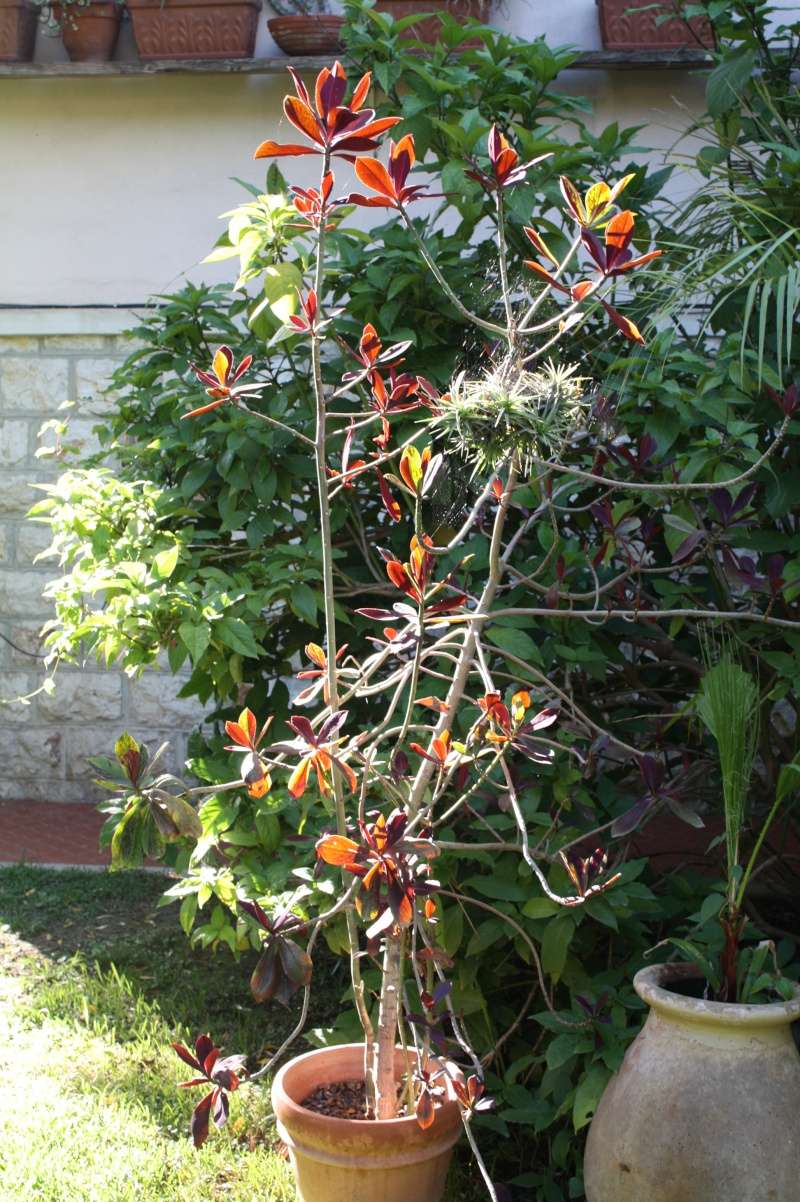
<point>116,183</point>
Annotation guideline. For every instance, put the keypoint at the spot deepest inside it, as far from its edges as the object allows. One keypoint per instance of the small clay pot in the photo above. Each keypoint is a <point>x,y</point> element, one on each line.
<point>307,33</point>
<point>194,29</point>
<point>622,27</point>
<point>17,31</point>
<point>89,34</point>
<point>428,30</point>
<point>705,1105</point>
<point>351,1160</point>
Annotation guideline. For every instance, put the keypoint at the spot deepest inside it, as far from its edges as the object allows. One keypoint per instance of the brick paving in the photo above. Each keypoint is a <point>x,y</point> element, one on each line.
<point>46,832</point>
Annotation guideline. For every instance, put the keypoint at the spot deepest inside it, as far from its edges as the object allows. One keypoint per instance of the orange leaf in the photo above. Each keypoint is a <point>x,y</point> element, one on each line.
<point>375,176</point>
<point>278,150</point>
<point>301,117</point>
<point>360,91</point>
<point>298,781</point>
<point>316,655</point>
<point>337,850</point>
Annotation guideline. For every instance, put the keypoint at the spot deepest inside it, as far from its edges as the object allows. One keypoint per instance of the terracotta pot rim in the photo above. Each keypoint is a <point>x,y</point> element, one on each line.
<point>385,1126</point>
<point>329,20</point>
<point>176,4</point>
<point>652,985</point>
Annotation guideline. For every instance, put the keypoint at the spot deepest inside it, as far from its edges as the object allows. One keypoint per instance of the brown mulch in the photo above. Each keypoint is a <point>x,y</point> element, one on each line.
<point>339,1100</point>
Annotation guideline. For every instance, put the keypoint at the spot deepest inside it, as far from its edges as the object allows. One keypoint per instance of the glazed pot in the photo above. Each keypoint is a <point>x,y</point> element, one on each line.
<point>623,27</point>
<point>89,34</point>
<point>17,31</point>
<point>705,1106</point>
<point>428,29</point>
<point>306,33</point>
<point>351,1160</point>
<point>194,29</point>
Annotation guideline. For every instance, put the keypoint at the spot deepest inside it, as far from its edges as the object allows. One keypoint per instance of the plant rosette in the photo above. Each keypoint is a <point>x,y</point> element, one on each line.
<point>705,1105</point>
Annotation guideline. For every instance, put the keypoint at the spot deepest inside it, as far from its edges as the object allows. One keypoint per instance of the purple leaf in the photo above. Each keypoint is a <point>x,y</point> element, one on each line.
<point>198,1126</point>
<point>628,822</point>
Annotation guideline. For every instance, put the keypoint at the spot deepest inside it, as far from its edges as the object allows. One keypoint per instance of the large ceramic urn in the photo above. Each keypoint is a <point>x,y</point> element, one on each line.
<point>706,1105</point>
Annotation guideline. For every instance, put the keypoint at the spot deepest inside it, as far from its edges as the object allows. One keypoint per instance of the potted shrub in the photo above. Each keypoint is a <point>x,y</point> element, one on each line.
<point>305,27</point>
<point>194,29</point>
<point>379,1118</point>
<point>89,28</point>
<point>644,25</point>
<point>704,1107</point>
<point>17,30</point>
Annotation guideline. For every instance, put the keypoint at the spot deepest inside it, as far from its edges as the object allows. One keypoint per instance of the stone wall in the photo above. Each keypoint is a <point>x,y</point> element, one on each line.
<point>44,745</point>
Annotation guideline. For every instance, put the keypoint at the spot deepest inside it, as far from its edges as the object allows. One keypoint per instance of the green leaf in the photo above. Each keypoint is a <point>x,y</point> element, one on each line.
<point>237,635</point>
<point>195,638</point>
<point>555,945</point>
<point>517,642</point>
<point>303,600</point>
<point>588,1094</point>
<point>727,80</point>
<point>165,562</point>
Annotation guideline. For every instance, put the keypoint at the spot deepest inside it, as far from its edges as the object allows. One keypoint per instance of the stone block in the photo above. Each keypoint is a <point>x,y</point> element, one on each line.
<point>33,385</point>
<point>47,788</point>
<point>17,493</point>
<point>83,697</point>
<point>154,705</point>
<point>78,344</point>
<point>12,686</point>
<point>92,377</point>
<point>14,435</point>
<point>27,648</point>
<point>31,752</point>
<point>32,537</point>
<point>19,344</point>
<point>21,593</point>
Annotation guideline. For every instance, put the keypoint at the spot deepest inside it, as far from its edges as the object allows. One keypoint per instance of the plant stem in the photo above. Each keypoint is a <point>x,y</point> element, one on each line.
<point>385,1084</point>
<point>320,460</point>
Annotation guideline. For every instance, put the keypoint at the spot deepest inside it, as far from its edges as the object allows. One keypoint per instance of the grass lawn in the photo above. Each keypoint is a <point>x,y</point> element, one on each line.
<point>95,983</point>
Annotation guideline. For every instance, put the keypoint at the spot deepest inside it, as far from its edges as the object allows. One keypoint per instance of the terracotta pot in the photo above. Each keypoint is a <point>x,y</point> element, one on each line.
<point>194,29</point>
<point>623,29</point>
<point>428,30</point>
<point>89,34</point>
<point>705,1106</point>
<point>348,1160</point>
<point>17,31</point>
<point>306,33</point>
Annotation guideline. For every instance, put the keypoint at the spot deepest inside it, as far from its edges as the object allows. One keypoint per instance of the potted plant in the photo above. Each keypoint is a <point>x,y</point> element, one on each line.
<point>427,27</point>
<point>705,1104</point>
<point>305,27</point>
<point>644,25</point>
<point>17,30</point>
<point>380,1117</point>
<point>194,29</point>
<point>89,28</point>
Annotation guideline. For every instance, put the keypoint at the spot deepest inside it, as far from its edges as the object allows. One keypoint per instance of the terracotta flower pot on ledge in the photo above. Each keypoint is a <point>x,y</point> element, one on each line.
<point>428,29</point>
<point>307,33</point>
<point>194,29</point>
<point>705,1106</point>
<point>89,34</point>
<point>622,27</point>
<point>352,1160</point>
<point>17,31</point>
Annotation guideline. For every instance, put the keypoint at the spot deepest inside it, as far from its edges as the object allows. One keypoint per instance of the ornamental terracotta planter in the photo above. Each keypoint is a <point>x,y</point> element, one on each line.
<point>348,1160</point>
<point>194,29</point>
<point>705,1106</point>
<point>307,33</point>
<point>17,31</point>
<point>428,30</point>
<point>624,27</point>
<point>89,34</point>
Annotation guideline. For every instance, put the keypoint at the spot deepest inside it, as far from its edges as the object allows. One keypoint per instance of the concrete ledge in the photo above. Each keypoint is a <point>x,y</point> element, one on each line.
<point>106,320</point>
